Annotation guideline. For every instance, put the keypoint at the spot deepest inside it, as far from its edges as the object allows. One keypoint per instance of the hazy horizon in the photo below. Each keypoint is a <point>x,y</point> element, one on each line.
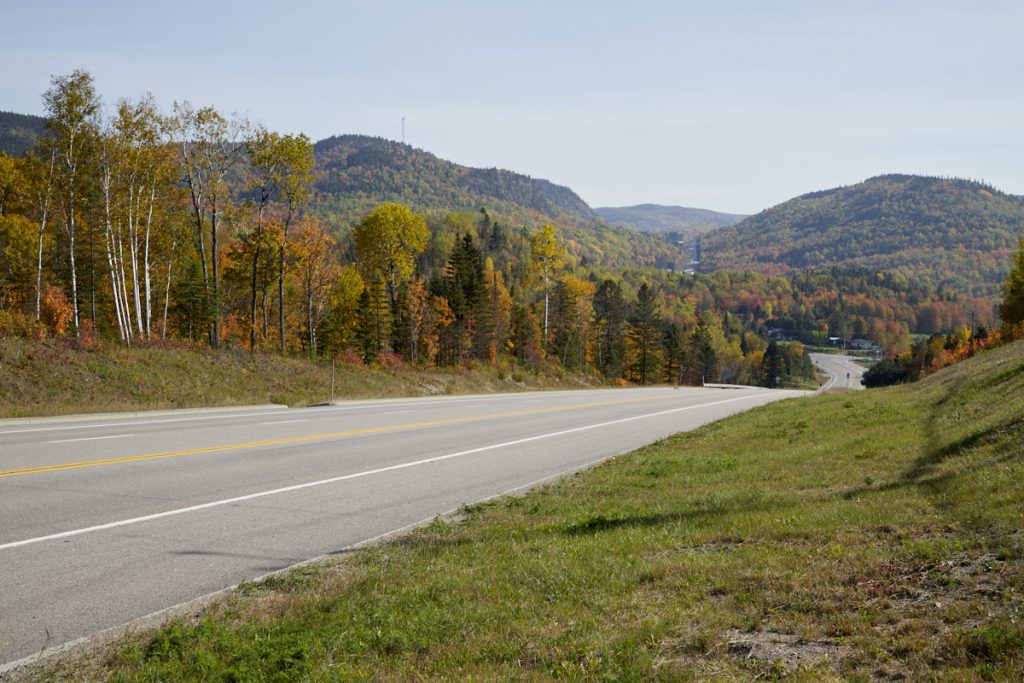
<point>732,109</point>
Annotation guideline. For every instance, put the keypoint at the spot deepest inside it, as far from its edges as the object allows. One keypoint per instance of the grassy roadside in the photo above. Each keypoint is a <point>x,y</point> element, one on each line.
<point>868,535</point>
<point>54,378</point>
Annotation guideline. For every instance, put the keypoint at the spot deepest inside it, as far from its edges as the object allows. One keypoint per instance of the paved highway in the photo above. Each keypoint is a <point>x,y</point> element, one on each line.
<point>105,521</point>
<point>843,371</point>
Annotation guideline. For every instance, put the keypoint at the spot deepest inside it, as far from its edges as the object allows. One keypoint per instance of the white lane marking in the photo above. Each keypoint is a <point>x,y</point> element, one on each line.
<point>284,422</point>
<point>435,400</point>
<point>94,438</point>
<point>398,412</point>
<point>357,475</point>
<point>141,422</point>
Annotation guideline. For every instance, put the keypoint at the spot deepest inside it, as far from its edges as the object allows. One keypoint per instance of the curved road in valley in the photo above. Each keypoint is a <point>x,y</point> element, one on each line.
<point>104,521</point>
<point>843,371</point>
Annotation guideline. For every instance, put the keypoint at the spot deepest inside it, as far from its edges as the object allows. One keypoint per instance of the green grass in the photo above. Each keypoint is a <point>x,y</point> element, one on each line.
<point>54,378</point>
<point>853,536</point>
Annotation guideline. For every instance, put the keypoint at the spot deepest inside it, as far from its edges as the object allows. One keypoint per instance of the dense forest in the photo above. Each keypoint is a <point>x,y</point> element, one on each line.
<point>955,236</point>
<point>655,218</point>
<point>138,226</point>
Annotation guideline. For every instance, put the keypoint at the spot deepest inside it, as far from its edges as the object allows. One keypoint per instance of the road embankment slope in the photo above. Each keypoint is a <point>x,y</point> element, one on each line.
<point>872,534</point>
<point>142,513</point>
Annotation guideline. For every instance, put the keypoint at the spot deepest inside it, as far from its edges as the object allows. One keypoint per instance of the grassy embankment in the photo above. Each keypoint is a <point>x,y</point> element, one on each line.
<point>868,535</point>
<point>54,378</point>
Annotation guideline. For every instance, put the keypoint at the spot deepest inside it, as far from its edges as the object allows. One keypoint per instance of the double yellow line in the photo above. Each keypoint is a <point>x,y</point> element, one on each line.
<point>310,437</point>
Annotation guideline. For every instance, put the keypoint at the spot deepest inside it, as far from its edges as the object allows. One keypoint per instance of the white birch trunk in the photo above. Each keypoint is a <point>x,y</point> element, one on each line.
<point>107,183</point>
<point>45,205</point>
<point>167,291</point>
<point>146,275</point>
<point>133,251</point>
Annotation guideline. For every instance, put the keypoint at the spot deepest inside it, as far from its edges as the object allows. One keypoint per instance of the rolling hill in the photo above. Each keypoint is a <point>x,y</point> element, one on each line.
<point>952,234</point>
<point>357,172</point>
<point>659,219</point>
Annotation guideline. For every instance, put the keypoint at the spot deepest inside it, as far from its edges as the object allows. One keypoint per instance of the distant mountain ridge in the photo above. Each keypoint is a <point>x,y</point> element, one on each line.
<point>659,219</point>
<point>18,132</point>
<point>954,234</point>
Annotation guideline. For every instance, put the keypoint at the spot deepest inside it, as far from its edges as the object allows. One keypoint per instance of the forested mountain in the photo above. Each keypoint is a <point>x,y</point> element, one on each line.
<point>354,173</point>
<point>18,132</point>
<point>656,218</point>
<point>357,167</point>
<point>951,234</point>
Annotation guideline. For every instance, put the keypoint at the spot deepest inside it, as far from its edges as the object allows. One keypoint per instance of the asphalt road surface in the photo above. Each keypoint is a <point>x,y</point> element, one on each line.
<point>843,371</point>
<point>104,521</point>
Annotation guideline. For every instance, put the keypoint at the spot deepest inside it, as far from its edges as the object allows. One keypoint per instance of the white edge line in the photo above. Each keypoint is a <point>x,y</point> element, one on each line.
<point>354,475</point>
<point>370,404</point>
<point>94,438</point>
<point>154,619</point>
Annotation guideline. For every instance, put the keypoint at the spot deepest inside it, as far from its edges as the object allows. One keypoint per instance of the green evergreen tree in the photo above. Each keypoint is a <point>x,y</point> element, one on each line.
<point>672,342</point>
<point>463,285</point>
<point>644,334</point>
<point>365,329</point>
<point>700,361</point>
<point>610,321</point>
<point>771,366</point>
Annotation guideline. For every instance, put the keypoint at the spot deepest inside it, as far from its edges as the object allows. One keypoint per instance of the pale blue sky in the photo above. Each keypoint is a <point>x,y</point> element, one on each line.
<point>733,106</point>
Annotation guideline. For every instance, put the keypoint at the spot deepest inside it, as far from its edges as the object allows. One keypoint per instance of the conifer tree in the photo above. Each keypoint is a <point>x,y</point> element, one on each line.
<point>644,334</point>
<point>610,323</point>
<point>771,366</point>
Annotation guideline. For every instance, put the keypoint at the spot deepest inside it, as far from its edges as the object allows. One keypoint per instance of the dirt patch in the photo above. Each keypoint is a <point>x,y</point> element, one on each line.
<point>792,651</point>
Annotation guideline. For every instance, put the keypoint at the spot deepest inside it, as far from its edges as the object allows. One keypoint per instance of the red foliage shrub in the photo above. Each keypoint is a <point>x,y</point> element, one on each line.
<point>390,361</point>
<point>350,357</point>
<point>56,311</point>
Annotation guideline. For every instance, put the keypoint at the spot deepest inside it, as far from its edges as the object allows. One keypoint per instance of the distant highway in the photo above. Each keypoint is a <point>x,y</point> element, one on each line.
<point>105,521</point>
<point>843,371</point>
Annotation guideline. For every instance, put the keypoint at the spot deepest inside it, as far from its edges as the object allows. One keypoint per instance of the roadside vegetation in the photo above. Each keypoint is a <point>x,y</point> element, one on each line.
<point>58,378</point>
<point>930,354</point>
<point>856,536</point>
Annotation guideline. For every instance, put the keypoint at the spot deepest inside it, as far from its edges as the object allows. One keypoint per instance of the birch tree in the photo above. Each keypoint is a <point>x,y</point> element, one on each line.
<point>316,270</point>
<point>267,166</point>
<point>41,180</point>
<point>208,147</point>
<point>296,153</point>
<point>72,108</point>
<point>547,258</point>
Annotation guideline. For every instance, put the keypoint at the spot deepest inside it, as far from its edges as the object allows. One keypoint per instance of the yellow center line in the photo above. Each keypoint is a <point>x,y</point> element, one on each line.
<point>311,437</point>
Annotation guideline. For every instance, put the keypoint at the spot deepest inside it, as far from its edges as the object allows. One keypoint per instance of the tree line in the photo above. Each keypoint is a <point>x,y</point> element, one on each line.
<point>132,224</point>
